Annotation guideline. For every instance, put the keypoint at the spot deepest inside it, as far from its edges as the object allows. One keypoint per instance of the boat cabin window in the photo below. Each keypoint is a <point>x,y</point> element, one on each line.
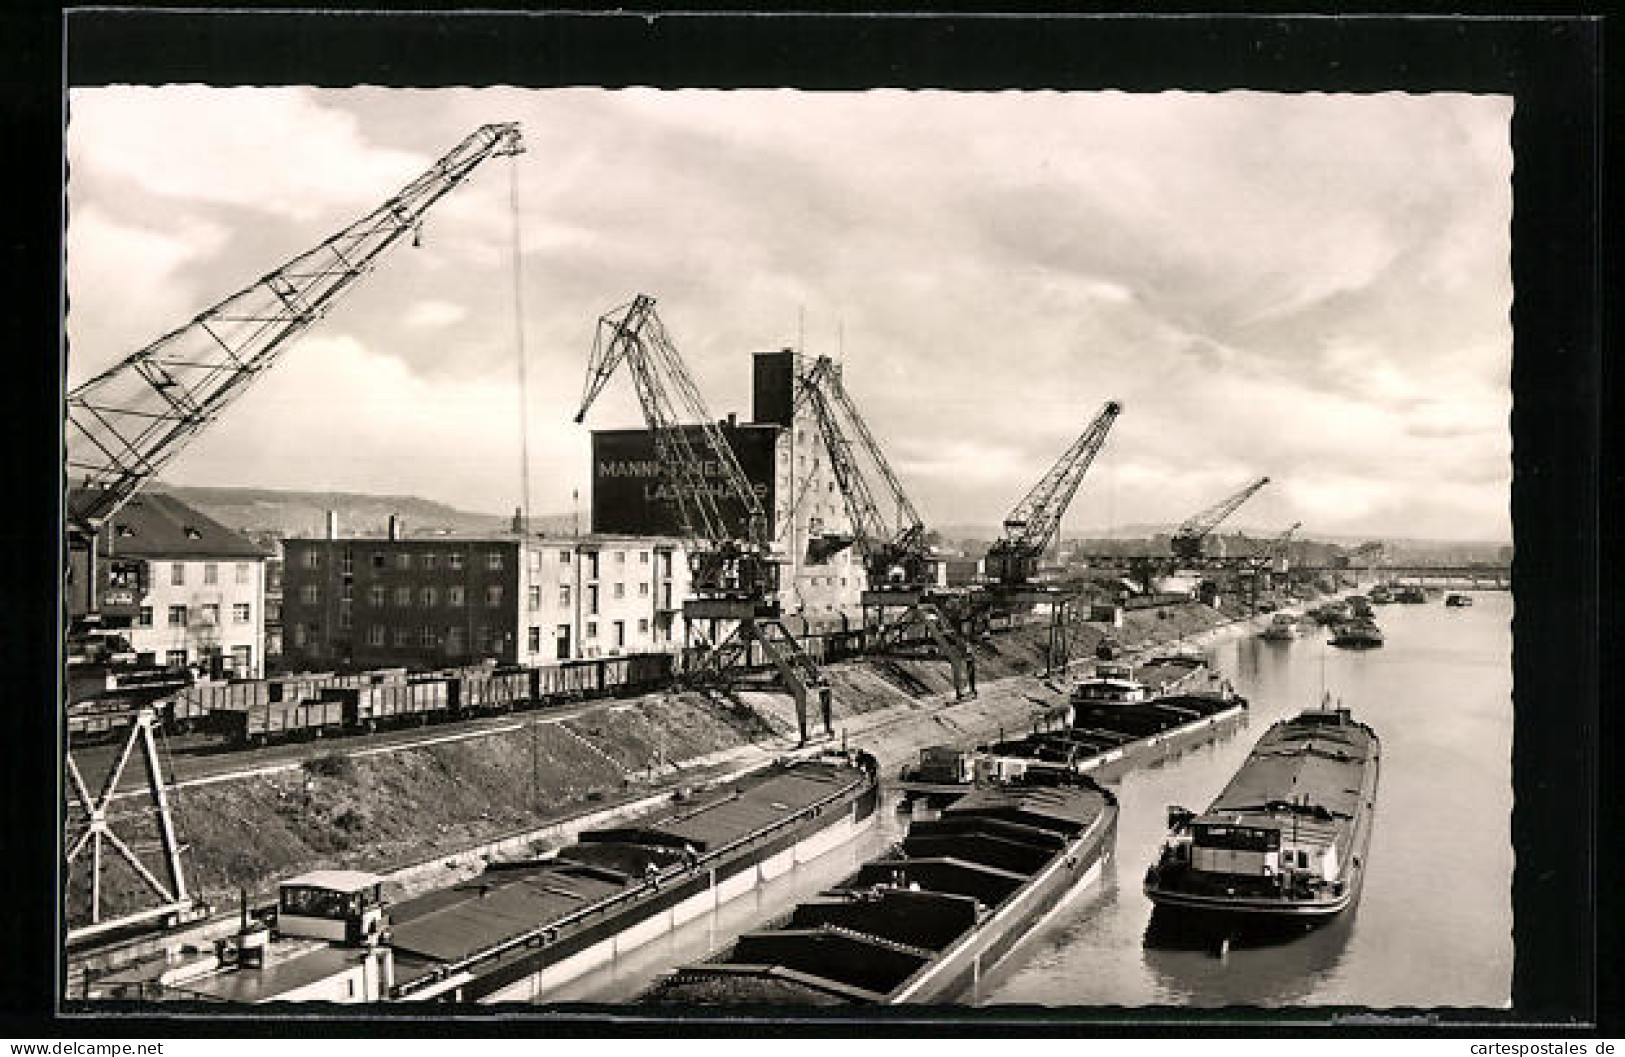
<point>311,902</point>
<point>1238,838</point>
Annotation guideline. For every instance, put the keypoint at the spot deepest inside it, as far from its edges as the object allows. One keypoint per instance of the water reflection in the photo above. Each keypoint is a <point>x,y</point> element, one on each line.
<point>1208,961</point>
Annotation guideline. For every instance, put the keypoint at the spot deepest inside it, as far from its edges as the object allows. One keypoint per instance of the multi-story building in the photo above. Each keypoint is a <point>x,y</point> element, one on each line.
<point>427,602</point>
<point>782,454</point>
<point>193,589</point>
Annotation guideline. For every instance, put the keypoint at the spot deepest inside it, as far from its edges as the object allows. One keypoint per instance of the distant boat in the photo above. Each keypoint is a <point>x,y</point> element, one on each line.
<point>1357,635</point>
<point>1457,601</point>
<point>1288,836</point>
<point>1411,595</point>
<point>1284,628</point>
<point>1380,595</point>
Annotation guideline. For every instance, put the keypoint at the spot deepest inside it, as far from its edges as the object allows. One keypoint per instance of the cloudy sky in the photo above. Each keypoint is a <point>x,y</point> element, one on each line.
<point>1311,287</point>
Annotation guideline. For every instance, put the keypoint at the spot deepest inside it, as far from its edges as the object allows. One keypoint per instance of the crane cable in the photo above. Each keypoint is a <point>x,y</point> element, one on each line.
<point>519,344</point>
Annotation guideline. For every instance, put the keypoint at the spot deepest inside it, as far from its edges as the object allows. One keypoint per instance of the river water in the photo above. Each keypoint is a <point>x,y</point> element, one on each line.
<point>1433,927</point>
<point>1434,924</point>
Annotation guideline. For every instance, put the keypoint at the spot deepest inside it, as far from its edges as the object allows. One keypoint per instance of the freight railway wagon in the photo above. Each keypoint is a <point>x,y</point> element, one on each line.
<point>255,713</point>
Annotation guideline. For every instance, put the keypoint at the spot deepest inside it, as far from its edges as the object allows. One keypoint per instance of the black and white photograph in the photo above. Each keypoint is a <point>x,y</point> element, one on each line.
<point>696,551</point>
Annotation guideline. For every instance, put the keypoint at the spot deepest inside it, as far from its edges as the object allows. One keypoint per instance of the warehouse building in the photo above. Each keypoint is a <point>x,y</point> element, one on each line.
<point>191,590</point>
<point>436,601</point>
<point>782,453</point>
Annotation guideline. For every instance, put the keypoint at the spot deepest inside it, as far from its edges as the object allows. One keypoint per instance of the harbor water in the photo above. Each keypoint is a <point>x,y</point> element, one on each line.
<point>1433,927</point>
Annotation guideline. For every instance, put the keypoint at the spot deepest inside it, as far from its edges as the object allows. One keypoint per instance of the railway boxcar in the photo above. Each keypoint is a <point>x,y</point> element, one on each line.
<point>274,720</point>
<point>495,690</point>
<point>369,707</point>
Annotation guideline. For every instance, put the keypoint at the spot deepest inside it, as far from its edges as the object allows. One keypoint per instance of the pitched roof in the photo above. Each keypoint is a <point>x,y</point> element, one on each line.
<point>155,525</point>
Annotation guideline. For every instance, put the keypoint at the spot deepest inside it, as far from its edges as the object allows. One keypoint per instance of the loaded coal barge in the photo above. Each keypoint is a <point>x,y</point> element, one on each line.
<point>928,919</point>
<point>1288,836</point>
<point>518,930</point>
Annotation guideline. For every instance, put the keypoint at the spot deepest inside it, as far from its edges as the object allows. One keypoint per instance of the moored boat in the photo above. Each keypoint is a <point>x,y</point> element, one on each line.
<point>1456,601</point>
<point>1381,595</point>
<point>1357,635</point>
<point>1282,628</point>
<point>928,919</point>
<point>1411,594</point>
<point>1289,834</point>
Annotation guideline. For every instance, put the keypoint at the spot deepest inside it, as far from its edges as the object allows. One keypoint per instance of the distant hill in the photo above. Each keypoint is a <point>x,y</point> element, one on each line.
<point>283,513</point>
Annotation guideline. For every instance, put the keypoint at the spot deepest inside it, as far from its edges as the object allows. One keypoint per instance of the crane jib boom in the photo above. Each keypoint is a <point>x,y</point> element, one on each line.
<point>125,424</point>
<point>727,558</point>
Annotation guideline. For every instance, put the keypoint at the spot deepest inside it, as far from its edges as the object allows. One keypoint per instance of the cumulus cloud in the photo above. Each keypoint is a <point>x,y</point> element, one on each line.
<point>1310,287</point>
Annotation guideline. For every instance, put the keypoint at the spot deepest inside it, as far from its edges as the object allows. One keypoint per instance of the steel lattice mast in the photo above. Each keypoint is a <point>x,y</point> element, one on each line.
<point>1031,526</point>
<point>124,425</point>
<point>633,335</point>
<point>1187,541</point>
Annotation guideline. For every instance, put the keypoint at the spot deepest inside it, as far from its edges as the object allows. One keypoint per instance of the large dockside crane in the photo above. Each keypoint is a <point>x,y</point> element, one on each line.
<point>1271,556</point>
<point>895,556</point>
<point>1187,540</point>
<point>1012,562</point>
<point>735,574</point>
<point>124,425</point>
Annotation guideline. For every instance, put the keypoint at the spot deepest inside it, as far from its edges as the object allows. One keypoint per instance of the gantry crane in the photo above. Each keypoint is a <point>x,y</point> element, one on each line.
<point>1012,562</point>
<point>895,557</point>
<point>735,574</point>
<point>125,424</point>
<point>1187,541</point>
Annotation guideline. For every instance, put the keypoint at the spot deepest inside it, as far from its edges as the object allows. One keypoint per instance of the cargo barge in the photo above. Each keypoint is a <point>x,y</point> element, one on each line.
<point>929,919</point>
<point>1110,721</point>
<point>1288,836</point>
<point>520,929</point>
<point>1357,635</point>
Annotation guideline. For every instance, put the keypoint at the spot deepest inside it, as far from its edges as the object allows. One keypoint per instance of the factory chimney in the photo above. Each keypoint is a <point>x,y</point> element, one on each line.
<point>332,524</point>
<point>395,526</point>
<point>518,522</point>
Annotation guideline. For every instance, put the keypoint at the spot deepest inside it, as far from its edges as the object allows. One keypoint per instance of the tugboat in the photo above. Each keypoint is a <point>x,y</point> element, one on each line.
<point>1455,601</point>
<point>1288,836</point>
<point>1357,635</point>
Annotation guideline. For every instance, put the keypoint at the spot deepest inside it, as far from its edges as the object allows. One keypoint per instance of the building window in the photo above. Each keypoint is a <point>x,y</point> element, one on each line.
<point>426,596</point>
<point>377,596</point>
<point>403,596</point>
<point>592,565</point>
<point>310,594</point>
<point>493,594</point>
<point>592,629</point>
<point>430,561</point>
<point>561,642</point>
<point>592,598</point>
<point>347,591</point>
<point>240,613</point>
<point>535,596</point>
<point>348,566</point>
<point>620,633</point>
<point>242,660</point>
<point>643,625</point>
<point>345,617</point>
<point>299,634</point>
<point>403,560</point>
<point>378,563</point>
<point>177,616</point>
<point>665,591</point>
<point>454,595</point>
<point>143,617</point>
<point>454,562</point>
<point>403,636</point>
<point>533,640</point>
<point>643,590</point>
<point>643,557</point>
<point>620,590</point>
<point>245,574</point>
<point>665,563</point>
<point>564,594</point>
<point>454,639</point>
<point>177,574</point>
<point>375,635</point>
<point>427,638</point>
<point>493,561</point>
<point>620,557</point>
<point>313,559</point>
<point>564,557</point>
<point>175,658</point>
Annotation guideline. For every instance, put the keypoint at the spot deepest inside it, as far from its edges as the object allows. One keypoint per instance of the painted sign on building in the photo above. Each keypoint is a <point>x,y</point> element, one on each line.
<point>631,496</point>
